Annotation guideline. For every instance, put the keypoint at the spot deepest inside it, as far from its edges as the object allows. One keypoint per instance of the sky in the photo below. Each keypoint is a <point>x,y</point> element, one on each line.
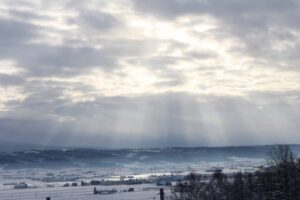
<point>150,73</point>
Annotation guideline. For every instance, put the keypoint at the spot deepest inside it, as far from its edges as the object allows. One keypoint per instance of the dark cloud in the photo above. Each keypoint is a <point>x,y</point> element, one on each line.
<point>169,83</point>
<point>42,59</point>
<point>169,8</point>
<point>24,15</point>
<point>10,80</point>
<point>96,20</point>
<point>176,8</point>
<point>14,32</point>
<point>47,60</point>
<point>201,55</point>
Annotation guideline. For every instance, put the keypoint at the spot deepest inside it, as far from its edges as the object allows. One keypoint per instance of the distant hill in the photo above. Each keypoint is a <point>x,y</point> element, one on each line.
<point>78,157</point>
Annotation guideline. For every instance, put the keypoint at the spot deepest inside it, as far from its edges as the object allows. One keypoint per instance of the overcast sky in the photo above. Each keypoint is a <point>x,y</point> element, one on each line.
<point>150,73</point>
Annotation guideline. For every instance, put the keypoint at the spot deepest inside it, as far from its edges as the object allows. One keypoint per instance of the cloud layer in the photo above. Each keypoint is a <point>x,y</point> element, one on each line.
<point>150,73</point>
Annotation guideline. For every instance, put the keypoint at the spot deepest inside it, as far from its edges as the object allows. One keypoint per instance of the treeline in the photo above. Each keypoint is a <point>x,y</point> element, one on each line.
<point>280,179</point>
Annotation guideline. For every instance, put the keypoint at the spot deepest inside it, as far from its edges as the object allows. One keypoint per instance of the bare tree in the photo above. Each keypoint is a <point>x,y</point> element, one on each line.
<point>280,179</point>
<point>283,163</point>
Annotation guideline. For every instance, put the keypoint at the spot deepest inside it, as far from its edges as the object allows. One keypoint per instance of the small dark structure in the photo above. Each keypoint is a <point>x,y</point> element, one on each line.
<point>95,182</point>
<point>162,194</point>
<point>66,185</point>
<point>74,184</point>
<point>104,191</point>
<point>84,183</point>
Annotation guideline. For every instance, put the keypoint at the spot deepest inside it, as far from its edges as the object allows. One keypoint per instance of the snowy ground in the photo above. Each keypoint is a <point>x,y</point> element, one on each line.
<point>142,192</point>
<point>49,182</point>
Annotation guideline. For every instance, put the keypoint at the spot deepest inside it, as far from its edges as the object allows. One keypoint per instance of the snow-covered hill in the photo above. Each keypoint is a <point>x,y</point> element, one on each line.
<point>76,157</point>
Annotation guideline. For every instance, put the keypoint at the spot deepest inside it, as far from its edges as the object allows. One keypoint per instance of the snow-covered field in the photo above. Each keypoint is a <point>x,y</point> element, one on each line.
<point>141,192</point>
<point>50,182</point>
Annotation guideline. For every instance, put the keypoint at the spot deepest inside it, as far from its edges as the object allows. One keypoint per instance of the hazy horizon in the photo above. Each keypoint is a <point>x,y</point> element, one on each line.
<point>24,146</point>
